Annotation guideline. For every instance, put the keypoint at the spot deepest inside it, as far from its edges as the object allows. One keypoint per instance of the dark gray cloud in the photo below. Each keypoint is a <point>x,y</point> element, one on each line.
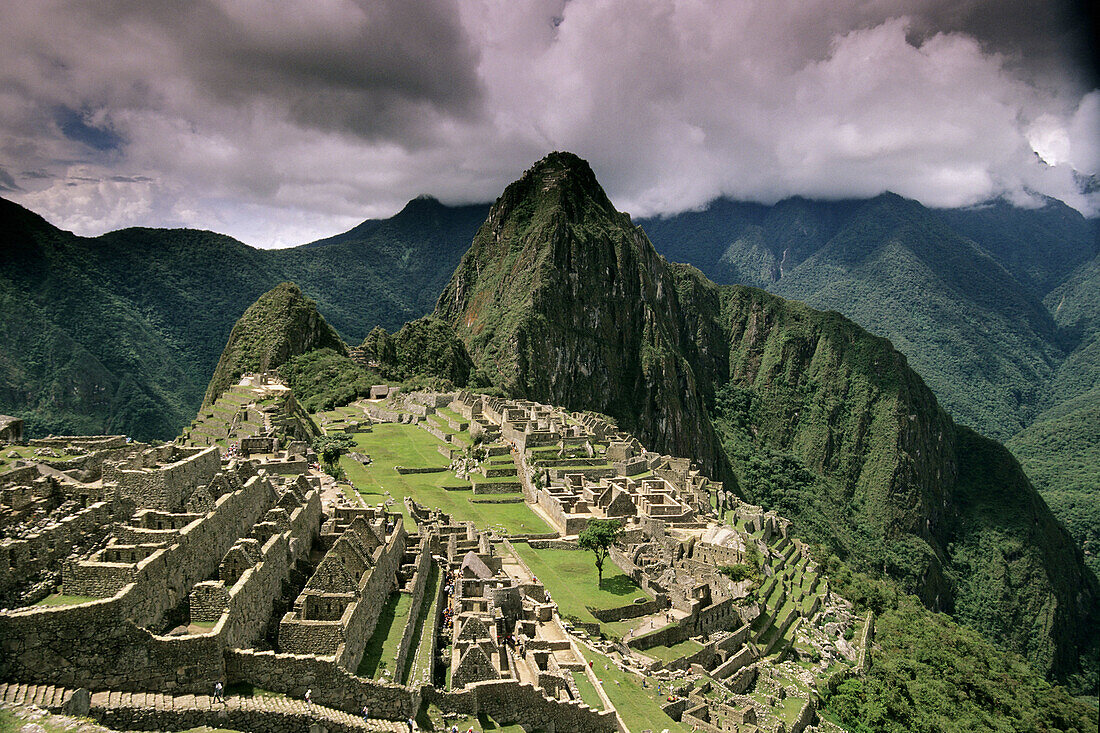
<point>7,183</point>
<point>279,122</point>
<point>1044,38</point>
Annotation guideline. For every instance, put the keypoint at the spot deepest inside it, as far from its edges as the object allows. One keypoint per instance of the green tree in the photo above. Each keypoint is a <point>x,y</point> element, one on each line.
<point>330,448</point>
<point>598,536</point>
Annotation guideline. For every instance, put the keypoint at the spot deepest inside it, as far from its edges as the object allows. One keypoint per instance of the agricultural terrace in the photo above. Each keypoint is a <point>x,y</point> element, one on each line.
<point>396,444</point>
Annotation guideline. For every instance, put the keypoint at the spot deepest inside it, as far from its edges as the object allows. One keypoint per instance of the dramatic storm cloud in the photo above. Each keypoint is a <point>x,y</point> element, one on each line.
<point>279,122</point>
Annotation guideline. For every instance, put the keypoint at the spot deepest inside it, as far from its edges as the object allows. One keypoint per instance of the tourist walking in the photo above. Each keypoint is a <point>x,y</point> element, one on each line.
<point>309,696</point>
<point>218,696</point>
<point>366,715</point>
<point>411,724</point>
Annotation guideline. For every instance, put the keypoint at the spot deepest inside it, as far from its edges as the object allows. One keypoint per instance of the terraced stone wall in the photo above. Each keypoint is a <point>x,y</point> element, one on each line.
<point>507,702</point>
<point>99,644</point>
<point>333,686</point>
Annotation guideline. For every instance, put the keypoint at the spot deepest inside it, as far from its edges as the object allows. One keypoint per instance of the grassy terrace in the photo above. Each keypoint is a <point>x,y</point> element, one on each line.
<point>381,650</point>
<point>589,695</point>
<point>570,576</point>
<point>640,707</point>
<point>669,653</point>
<point>26,452</point>
<point>393,444</point>
<point>419,660</point>
<point>57,599</point>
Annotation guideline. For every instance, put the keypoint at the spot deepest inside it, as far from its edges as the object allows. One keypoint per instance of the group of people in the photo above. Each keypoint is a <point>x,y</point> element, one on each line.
<point>448,609</point>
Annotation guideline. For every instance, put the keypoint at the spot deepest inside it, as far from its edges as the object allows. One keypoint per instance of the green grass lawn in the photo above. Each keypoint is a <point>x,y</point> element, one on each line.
<point>588,691</point>
<point>26,452</point>
<point>381,650</point>
<point>675,651</point>
<point>394,444</point>
<point>640,707</point>
<point>570,576</point>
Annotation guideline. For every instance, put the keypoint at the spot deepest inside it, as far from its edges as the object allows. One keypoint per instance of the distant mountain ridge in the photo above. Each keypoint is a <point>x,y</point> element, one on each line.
<point>120,333</point>
<point>995,306</point>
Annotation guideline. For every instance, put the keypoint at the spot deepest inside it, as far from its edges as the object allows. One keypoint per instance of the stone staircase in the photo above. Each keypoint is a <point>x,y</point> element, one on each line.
<point>155,711</point>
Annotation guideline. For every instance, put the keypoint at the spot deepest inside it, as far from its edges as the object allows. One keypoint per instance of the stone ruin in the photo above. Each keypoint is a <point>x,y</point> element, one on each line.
<point>181,565</point>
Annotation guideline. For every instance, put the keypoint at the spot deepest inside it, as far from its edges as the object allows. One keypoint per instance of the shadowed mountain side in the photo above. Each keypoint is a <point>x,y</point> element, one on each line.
<point>561,299</point>
<point>120,333</point>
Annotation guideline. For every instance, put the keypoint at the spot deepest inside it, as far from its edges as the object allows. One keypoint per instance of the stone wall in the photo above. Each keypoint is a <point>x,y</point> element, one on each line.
<point>496,487</point>
<point>420,581</point>
<point>165,577</point>
<point>373,594</point>
<point>164,487</point>
<point>630,610</point>
<point>567,524</point>
<point>31,555</point>
<point>507,702</point>
<point>99,645</point>
<point>333,686</point>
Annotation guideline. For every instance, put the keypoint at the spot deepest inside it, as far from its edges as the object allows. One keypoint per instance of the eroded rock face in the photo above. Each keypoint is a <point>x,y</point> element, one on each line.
<point>561,299</point>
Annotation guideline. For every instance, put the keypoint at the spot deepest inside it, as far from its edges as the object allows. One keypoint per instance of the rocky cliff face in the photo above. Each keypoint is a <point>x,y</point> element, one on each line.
<point>281,324</point>
<point>560,299</point>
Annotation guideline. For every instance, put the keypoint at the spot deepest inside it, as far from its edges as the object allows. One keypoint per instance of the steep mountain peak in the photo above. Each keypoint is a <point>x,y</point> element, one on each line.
<point>423,204</point>
<point>559,185</point>
<point>281,324</point>
<point>560,298</point>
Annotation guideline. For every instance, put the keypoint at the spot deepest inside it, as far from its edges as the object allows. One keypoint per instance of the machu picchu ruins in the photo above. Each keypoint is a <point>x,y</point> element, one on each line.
<point>136,577</point>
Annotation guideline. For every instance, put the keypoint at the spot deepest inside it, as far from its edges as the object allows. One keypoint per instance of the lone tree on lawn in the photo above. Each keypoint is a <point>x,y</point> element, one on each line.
<point>599,536</point>
<point>330,448</point>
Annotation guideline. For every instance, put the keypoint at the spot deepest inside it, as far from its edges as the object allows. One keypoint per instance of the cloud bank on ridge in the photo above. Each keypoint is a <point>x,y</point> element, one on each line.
<point>280,122</point>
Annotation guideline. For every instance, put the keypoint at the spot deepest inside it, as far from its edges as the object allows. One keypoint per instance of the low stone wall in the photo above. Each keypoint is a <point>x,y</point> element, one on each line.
<point>500,471</point>
<point>33,554</point>
<point>567,524</point>
<point>333,686</point>
<point>419,469</point>
<point>733,664</point>
<point>591,474</point>
<point>275,720</point>
<point>743,679</point>
<point>435,430</point>
<point>805,716</point>
<point>630,610</point>
<point>496,487</point>
<point>508,702</point>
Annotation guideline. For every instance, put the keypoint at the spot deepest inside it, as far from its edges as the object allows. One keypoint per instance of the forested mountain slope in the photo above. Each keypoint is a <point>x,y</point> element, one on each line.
<point>995,306</point>
<point>561,299</point>
<point>120,333</point>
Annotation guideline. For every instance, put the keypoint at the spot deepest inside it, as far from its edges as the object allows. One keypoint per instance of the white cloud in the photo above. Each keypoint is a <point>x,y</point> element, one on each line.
<point>281,123</point>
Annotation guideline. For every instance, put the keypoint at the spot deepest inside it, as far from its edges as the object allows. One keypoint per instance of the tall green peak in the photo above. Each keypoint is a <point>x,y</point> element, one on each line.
<point>280,325</point>
<point>561,299</point>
